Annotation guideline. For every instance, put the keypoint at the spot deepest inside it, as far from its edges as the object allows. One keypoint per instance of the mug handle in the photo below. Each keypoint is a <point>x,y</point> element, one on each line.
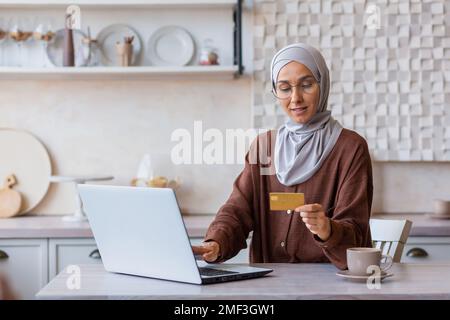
<point>389,262</point>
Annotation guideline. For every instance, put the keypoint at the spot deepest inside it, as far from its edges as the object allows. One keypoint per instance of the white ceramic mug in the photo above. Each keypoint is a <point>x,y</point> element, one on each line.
<point>441,207</point>
<point>360,259</point>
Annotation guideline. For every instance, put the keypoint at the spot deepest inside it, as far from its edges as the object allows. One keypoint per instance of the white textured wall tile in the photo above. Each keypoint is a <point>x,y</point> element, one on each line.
<point>386,83</point>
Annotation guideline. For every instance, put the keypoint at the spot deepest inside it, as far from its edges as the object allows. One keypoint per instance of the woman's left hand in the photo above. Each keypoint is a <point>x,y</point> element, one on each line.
<point>315,220</point>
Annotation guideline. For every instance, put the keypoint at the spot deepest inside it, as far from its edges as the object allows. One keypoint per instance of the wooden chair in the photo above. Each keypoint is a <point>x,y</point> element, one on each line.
<point>390,236</point>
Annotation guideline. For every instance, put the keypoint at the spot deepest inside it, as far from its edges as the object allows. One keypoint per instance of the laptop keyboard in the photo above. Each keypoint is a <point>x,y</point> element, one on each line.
<point>214,272</point>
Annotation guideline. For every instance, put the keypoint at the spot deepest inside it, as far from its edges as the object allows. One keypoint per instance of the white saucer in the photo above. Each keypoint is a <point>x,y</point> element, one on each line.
<point>345,274</point>
<point>437,216</point>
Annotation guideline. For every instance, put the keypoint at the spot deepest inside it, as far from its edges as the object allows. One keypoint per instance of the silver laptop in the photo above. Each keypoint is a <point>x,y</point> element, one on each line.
<point>140,231</point>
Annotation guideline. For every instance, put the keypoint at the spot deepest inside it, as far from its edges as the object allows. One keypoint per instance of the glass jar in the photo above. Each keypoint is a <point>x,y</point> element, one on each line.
<point>209,54</point>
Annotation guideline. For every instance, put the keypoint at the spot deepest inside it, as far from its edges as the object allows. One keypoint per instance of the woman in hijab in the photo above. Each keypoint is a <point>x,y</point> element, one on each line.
<point>312,154</point>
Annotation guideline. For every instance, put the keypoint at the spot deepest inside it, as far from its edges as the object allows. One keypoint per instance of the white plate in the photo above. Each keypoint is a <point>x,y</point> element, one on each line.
<point>170,46</point>
<point>109,36</point>
<point>55,49</point>
<point>345,274</point>
<point>24,156</point>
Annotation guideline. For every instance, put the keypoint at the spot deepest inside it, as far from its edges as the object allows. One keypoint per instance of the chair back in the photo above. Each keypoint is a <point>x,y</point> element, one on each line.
<point>390,236</point>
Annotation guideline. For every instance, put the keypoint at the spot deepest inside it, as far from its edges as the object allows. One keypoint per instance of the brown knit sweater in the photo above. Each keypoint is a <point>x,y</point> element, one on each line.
<point>343,186</point>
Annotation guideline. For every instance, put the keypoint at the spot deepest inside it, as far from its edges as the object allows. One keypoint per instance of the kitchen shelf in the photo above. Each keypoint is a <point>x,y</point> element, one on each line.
<point>234,5</point>
<point>119,73</point>
<point>117,3</point>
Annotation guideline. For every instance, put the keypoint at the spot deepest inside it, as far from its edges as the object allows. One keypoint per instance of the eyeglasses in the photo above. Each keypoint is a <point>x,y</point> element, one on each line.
<point>284,90</point>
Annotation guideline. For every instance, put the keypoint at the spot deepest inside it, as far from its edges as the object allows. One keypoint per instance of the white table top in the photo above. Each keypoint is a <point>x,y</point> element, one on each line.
<point>287,281</point>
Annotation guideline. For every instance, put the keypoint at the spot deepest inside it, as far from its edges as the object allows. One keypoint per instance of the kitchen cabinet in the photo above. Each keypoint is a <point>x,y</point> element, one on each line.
<point>30,263</point>
<point>64,252</point>
<point>25,262</point>
<point>426,250</point>
<point>33,249</point>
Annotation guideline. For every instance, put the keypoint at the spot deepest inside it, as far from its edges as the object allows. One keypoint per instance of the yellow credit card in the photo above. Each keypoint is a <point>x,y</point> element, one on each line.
<point>285,200</point>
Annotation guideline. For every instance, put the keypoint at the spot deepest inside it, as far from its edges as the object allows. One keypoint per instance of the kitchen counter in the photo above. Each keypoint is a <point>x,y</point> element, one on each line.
<point>196,225</point>
<point>287,281</point>
<point>43,227</point>
<point>56,227</point>
<point>422,225</point>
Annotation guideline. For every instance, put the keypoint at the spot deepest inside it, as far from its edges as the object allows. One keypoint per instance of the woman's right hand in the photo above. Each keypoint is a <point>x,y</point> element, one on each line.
<point>209,251</point>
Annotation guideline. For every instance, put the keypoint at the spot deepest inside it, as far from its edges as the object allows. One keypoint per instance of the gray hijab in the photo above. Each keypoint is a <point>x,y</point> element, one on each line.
<point>301,149</point>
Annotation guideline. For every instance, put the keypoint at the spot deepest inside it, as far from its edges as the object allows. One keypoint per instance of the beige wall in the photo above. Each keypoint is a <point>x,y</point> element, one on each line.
<point>95,127</point>
<point>105,127</point>
<point>410,186</point>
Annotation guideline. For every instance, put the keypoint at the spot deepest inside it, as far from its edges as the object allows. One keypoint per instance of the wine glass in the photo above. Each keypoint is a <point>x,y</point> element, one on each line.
<point>20,33</point>
<point>3,37</point>
<point>43,33</point>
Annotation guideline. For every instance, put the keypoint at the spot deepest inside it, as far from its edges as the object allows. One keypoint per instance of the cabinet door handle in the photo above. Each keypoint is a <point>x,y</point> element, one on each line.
<point>95,254</point>
<point>3,255</point>
<point>417,253</point>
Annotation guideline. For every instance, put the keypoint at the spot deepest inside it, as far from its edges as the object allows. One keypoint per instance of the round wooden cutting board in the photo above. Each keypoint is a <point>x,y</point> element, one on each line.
<point>25,156</point>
